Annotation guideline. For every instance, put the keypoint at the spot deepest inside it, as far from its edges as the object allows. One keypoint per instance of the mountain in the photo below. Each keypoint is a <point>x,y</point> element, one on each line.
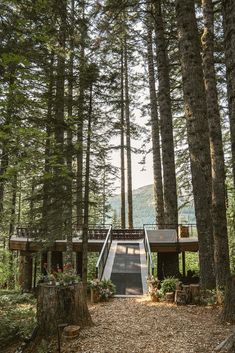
<point>143,207</point>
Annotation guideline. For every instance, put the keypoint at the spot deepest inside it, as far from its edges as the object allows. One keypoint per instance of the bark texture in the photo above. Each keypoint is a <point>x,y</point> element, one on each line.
<point>157,165</point>
<point>128,137</point>
<point>164,98</point>
<point>168,160</point>
<point>228,314</point>
<point>61,305</point>
<point>69,151</point>
<point>229,43</point>
<point>59,180</point>
<point>122,145</point>
<point>197,132</point>
<point>219,221</point>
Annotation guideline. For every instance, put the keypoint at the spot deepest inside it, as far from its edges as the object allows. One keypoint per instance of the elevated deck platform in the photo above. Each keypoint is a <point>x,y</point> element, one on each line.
<point>160,240</point>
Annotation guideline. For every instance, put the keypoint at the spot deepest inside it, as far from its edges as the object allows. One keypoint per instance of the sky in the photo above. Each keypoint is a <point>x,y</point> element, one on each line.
<point>141,174</point>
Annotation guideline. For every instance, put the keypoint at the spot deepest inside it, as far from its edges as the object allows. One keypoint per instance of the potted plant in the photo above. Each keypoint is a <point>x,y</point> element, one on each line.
<point>168,286</point>
<point>154,288</point>
<point>101,290</point>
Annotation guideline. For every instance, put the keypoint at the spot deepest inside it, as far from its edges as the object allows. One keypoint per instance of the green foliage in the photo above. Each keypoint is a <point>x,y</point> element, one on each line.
<point>91,266</point>
<point>144,210</point>
<point>17,316</point>
<point>191,261</point>
<point>168,285</point>
<point>8,268</point>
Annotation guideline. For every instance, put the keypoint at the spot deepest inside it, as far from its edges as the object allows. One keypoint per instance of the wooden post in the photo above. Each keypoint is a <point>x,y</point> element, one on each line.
<point>56,260</point>
<point>183,264</point>
<point>21,270</point>
<point>79,263</point>
<point>28,272</point>
<point>35,272</point>
<point>61,305</point>
<point>195,293</point>
<point>44,259</point>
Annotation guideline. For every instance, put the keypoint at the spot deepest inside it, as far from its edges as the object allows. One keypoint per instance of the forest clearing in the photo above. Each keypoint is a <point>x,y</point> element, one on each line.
<point>137,325</point>
<point>98,97</point>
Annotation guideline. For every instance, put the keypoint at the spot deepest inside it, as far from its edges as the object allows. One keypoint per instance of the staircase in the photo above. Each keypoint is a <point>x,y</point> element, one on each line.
<point>126,263</point>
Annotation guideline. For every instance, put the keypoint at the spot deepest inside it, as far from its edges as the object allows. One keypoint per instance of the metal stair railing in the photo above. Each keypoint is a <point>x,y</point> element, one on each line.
<point>100,265</point>
<point>148,254</point>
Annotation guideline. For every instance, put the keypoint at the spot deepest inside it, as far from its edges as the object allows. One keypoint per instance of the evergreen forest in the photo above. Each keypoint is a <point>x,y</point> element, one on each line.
<point>84,80</point>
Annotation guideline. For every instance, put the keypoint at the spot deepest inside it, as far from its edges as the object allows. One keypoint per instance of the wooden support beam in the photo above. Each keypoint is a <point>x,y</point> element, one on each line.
<point>79,263</point>
<point>183,264</point>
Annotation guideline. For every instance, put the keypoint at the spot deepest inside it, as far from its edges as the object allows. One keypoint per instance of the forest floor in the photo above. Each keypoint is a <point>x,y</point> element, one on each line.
<point>137,325</point>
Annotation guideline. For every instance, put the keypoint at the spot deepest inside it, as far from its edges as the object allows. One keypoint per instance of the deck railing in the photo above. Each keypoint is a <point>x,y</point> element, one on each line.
<point>184,230</point>
<point>100,265</point>
<point>127,234</point>
<point>148,254</point>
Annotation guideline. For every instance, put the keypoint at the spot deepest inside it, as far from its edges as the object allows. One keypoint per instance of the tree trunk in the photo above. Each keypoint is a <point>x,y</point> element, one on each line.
<point>169,178</point>
<point>219,221</point>
<point>122,131</point>
<point>61,305</point>
<point>59,180</point>
<point>47,182</point>
<point>5,140</point>
<point>86,199</point>
<point>198,136</point>
<point>69,157</point>
<point>128,137</point>
<point>81,108</point>
<point>164,98</point>
<point>228,313</point>
<point>157,167</point>
<point>13,205</point>
<point>229,44</point>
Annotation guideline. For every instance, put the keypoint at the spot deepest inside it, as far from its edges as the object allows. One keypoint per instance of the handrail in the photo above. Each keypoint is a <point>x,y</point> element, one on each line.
<point>192,227</point>
<point>148,254</point>
<point>104,254</point>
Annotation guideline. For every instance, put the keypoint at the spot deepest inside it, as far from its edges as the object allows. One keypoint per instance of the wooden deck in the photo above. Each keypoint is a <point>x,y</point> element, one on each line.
<point>160,241</point>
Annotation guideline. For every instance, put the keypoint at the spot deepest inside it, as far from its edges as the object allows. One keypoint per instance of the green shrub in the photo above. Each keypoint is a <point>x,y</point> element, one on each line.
<point>168,284</point>
<point>18,317</point>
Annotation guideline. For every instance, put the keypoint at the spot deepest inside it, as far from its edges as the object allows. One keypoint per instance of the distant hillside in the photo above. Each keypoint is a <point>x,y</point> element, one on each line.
<point>143,207</point>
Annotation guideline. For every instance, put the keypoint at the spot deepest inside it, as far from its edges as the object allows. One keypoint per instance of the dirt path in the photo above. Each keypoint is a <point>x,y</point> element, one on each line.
<point>140,326</point>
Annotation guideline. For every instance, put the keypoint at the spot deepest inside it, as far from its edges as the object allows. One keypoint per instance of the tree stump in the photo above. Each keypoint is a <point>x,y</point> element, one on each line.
<point>71,332</point>
<point>95,296</point>
<point>59,305</point>
<point>186,289</point>
<point>180,297</point>
<point>195,293</point>
<point>170,297</point>
<point>228,314</point>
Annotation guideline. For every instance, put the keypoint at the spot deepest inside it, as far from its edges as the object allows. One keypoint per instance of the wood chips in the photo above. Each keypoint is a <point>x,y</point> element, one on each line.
<point>137,325</point>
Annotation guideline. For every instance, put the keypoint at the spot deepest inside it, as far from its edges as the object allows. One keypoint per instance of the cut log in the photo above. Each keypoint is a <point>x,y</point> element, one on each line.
<point>228,314</point>
<point>195,293</point>
<point>180,297</point>
<point>170,297</point>
<point>186,289</point>
<point>71,332</point>
<point>95,296</point>
<point>227,345</point>
<point>179,285</point>
<point>58,305</point>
